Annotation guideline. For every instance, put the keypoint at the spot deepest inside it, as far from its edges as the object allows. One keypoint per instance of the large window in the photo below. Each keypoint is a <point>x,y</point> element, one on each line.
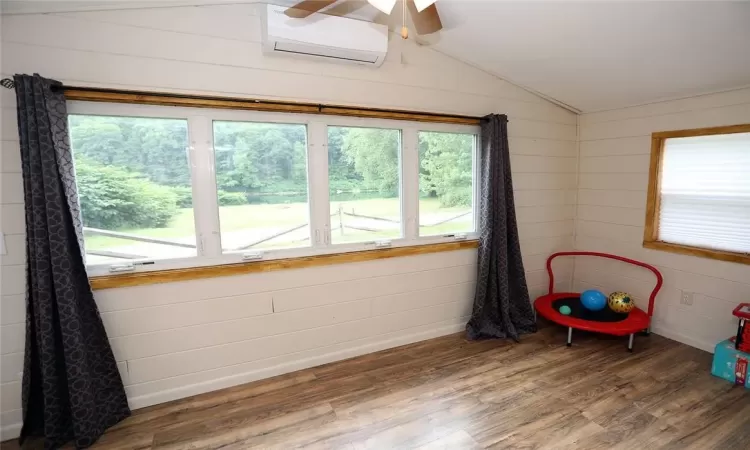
<point>134,186</point>
<point>261,181</point>
<point>446,183</point>
<point>364,182</point>
<point>170,187</point>
<point>699,194</point>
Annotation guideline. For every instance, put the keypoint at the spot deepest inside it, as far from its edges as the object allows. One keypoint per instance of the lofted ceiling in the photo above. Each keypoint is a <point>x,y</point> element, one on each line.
<point>604,54</point>
<point>588,56</point>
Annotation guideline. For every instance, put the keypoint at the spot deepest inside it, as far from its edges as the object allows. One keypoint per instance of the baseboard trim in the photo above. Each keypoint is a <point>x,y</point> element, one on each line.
<point>679,337</point>
<point>11,431</point>
<point>389,341</point>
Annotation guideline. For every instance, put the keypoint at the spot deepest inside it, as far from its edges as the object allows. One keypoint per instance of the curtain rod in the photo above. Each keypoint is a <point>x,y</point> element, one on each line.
<point>8,83</point>
<point>174,99</point>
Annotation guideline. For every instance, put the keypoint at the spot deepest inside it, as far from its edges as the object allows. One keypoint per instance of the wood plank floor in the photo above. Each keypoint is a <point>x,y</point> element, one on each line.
<point>448,393</point>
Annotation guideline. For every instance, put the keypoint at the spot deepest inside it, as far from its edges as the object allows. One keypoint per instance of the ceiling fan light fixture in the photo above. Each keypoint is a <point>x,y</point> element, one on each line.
<point>422,4</point>
<point>385,6</point>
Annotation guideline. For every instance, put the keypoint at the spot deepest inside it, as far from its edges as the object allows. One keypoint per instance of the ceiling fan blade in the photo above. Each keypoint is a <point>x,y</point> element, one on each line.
<point>422,4</point>
<point>347,7</point>
<point>427,21</point>
<point>307,7</point>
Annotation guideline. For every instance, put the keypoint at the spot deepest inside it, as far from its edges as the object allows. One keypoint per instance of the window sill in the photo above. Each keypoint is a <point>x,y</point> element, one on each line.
<point>196,273</point>
<point>740,258</point>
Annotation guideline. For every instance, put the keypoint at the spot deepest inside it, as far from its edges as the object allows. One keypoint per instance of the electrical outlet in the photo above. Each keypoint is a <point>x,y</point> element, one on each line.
<point>687,298</point>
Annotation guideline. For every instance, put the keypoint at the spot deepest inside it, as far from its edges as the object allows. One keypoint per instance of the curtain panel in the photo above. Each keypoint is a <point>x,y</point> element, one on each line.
<point>72,389</point>
<point>502,307</point>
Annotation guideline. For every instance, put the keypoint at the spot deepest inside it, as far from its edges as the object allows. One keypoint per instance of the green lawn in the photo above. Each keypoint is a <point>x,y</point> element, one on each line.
<point>286,215</point>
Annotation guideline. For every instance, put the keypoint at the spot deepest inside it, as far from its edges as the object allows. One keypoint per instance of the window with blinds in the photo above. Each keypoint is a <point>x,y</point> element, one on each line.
<point>700,198</point>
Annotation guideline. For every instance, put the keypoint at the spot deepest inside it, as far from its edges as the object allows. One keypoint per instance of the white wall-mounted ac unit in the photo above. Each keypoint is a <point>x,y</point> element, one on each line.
<point>323,37</point>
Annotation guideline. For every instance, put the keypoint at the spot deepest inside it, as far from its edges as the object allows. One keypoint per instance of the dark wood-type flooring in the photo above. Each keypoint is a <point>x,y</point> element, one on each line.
<point>447,393</point>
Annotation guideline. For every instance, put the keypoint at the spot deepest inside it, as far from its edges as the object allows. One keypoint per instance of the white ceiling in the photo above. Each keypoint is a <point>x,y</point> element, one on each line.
<point>603,55</point>
<point>590,56</point>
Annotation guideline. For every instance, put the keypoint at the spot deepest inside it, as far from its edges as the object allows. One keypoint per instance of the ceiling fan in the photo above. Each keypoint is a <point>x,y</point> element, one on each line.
<point>424,13</point>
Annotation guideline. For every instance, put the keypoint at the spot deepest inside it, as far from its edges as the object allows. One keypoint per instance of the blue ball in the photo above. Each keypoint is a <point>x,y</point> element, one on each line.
<point>593,300</point>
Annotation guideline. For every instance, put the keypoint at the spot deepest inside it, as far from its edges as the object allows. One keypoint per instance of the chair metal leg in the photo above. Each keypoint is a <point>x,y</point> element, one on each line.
<point>570,336</point>
<point>630,343</point>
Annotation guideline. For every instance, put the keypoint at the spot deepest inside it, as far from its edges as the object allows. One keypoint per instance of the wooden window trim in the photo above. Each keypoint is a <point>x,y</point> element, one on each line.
<point>196,273</point>
<point>653,201</point>
<point>248,104</point>
<point>200,272</point>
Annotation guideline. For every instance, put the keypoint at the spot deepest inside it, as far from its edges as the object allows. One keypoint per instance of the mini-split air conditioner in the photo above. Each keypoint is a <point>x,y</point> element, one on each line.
<point>323,37</point>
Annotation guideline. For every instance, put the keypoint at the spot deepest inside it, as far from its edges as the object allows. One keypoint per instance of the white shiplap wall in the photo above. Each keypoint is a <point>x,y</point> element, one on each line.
<point>614,164</point>
<point>179,339</point>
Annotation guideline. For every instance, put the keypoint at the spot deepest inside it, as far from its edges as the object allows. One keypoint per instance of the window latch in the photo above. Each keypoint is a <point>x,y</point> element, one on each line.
<point>460,236</point>
<point>252,256</point>
<point>126,267</point>
<point>383,244</point>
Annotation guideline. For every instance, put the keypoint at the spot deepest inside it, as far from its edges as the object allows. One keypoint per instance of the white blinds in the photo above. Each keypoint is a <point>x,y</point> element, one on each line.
<point>705,192</point>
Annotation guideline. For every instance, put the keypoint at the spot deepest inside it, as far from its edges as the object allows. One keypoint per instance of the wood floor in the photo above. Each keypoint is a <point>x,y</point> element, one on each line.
<point>448,393</point>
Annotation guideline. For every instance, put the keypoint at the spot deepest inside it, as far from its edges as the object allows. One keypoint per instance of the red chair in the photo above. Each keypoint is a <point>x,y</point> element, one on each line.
<point>636,321</point>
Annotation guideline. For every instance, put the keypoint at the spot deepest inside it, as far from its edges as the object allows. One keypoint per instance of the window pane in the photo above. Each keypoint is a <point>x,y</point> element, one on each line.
<point>705,192</point>
<point>133,179</point>
<point>363,170</point>
<point>261,177</point>
<point>445,183</point>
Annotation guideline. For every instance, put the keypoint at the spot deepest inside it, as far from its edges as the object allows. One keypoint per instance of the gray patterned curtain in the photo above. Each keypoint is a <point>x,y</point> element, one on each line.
<point>72,389</point>
<point>501,303</point>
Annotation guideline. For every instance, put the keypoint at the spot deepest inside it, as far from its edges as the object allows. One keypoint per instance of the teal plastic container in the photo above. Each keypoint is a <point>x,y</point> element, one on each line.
<point>731,364</point>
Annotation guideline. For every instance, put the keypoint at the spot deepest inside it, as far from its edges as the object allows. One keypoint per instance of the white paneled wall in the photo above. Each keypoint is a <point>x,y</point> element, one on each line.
<point>614,163</point>
<point>174,340</point>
